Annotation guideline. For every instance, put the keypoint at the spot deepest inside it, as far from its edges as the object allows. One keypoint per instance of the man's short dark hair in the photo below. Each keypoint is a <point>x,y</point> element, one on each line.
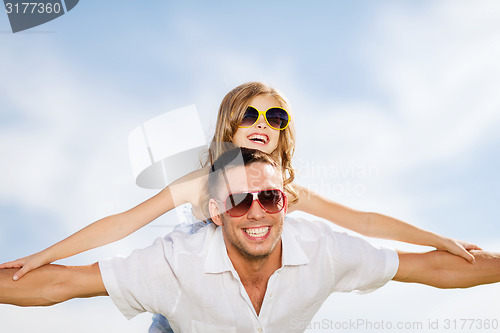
<point>233,158</point>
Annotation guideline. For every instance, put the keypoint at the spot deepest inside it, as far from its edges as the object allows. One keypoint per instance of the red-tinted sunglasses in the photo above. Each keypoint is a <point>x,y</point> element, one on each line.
<point>238,204</point>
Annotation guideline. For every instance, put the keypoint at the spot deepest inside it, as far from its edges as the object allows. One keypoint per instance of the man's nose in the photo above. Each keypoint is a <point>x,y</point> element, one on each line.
<point>256,212</point>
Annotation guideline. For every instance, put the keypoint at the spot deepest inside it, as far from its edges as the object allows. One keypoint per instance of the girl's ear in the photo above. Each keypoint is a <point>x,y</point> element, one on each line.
<point>214,212</point>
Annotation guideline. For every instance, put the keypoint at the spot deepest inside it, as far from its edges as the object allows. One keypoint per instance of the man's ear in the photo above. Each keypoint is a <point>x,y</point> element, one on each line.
<point>214,212</point>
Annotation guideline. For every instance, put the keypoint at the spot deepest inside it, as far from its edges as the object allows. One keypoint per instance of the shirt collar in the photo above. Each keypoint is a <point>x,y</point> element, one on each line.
<point>293,254</point>
<point>217,260</point>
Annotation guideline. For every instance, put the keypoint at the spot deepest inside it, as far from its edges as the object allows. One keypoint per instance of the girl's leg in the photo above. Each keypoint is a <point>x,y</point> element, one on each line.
<point>160,325</point>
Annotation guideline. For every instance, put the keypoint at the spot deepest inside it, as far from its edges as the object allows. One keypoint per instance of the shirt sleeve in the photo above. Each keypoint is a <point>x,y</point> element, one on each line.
<point>142,282</point>
<point>358,265</point>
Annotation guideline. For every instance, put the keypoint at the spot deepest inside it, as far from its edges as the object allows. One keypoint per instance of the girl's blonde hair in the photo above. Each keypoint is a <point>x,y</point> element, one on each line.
<point>231,111</point>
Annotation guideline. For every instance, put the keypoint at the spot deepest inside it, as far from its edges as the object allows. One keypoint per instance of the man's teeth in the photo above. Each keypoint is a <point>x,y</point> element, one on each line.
<point>257,137</point>
<point>257,232</point>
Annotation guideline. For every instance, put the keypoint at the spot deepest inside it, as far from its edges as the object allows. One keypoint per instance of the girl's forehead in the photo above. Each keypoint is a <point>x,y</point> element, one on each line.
<point>264,102</point>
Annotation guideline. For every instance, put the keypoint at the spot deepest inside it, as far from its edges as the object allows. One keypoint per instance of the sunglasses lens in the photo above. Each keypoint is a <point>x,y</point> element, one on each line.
<point>271,200</point>
<point>238,204</point>
<point>277,118</point>
<point>250,117</point>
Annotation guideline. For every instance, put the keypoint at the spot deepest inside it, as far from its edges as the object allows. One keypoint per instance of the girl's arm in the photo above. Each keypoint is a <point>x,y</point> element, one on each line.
<point>115,227</point>
<point>376,225</point>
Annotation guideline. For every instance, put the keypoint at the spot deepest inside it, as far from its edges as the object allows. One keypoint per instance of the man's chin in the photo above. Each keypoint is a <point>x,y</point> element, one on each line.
<point>256,256</point>
<point>258,252</point>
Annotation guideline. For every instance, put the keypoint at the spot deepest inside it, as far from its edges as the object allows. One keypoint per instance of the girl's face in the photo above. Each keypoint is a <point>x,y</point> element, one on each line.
<point>259,136</point>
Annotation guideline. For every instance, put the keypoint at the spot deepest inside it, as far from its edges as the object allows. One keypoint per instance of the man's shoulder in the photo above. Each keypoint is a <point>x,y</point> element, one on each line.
<point>322,234</point>
<point>308,229</point>
<point>194,243</point>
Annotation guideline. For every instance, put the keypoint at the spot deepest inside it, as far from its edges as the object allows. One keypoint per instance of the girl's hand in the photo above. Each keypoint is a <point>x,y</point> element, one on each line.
<point>459,248</point>
<point>26,264</point>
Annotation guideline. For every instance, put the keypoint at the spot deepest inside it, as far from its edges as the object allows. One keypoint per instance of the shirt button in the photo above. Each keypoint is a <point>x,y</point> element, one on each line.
<point>259,329</point>
<point>270,295</point>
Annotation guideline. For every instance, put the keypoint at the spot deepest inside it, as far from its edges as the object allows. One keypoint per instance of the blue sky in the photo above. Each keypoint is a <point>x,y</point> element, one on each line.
<point>396,106</point>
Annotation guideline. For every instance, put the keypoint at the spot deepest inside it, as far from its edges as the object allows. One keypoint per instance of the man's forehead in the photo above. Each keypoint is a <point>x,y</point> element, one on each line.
<point>254,177</point>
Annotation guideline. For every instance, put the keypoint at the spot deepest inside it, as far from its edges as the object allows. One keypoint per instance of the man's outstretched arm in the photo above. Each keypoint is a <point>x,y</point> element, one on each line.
<point>444,270</point>
<point>51,284</point>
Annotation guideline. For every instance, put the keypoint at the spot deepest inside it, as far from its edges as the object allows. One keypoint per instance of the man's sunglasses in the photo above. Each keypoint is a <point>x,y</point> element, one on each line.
<point>276,118</point>
<point>272,201</point>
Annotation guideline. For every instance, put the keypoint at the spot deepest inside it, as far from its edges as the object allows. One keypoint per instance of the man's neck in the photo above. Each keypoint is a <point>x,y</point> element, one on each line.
<point>255,273</point>
<point>257,268</point>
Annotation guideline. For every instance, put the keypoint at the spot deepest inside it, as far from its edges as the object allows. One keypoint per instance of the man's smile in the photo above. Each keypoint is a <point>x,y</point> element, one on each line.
<point>257,233</point>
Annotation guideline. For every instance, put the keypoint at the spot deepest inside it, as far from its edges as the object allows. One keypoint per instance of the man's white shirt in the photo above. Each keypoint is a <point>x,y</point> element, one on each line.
<point>190,279</point>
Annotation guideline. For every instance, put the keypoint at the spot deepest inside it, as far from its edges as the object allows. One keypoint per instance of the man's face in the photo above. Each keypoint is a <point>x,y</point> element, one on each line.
<point>256,234</point>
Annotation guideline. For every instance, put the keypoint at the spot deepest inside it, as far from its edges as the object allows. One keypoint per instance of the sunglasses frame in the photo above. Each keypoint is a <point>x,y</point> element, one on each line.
<point>255,195</point>
<point>263,113</point>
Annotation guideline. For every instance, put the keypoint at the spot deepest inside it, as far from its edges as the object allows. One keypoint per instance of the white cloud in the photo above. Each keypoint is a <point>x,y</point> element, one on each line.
<point>70,141</point>
<point>438,65</point>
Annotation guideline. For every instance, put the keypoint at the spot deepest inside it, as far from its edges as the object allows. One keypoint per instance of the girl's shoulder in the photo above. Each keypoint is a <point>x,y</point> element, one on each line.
<point>304,198</point>
<point>195,178</point>
<point>297,190</point>
<point>189,188</point>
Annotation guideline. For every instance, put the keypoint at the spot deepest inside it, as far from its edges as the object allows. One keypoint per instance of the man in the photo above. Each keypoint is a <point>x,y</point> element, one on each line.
<point>250,271</point>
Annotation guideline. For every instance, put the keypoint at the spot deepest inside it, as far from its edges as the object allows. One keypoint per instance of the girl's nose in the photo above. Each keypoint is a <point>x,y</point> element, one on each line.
<point>261,122</point>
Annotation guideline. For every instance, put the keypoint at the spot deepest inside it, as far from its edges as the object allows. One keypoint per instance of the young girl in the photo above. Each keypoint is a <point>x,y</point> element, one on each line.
<point>252,115</point>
